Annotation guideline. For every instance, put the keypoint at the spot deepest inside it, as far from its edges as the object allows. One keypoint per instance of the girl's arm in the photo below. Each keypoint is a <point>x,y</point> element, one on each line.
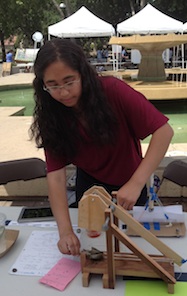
<point>128,194</point>
<point>68,242</point>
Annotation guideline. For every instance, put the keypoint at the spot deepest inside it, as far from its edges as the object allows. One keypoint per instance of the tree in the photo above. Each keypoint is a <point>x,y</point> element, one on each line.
<point>174,8</point>
<point>57,6</point>
<point>115,11</point>
<point>7,23</point>
<point>24,17</point>
<point>2,45</point>
<point>112,11</point>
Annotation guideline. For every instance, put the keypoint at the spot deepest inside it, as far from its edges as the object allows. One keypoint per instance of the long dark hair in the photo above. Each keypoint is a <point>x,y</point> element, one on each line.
<point>55,126</point>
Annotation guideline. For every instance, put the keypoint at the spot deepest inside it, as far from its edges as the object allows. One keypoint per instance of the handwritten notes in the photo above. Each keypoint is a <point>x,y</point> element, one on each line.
<point>61,274</point>
<point>39,254</point>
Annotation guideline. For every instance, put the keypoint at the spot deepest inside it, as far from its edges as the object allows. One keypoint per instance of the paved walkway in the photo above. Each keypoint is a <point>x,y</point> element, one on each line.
<point>14,135</point>
<point>14,129</point>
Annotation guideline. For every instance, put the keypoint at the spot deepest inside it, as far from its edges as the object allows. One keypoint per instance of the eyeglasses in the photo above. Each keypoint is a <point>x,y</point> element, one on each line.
<point>57,88</point>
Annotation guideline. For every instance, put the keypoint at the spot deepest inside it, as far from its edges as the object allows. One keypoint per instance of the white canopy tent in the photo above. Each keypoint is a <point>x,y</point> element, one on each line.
<point>185,27</point>
<point>82,23</point>
<point>184,64</point>
<point>150,20</point>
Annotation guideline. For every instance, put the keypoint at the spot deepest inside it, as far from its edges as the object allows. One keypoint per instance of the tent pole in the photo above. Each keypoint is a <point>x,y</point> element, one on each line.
<point>182,52</point>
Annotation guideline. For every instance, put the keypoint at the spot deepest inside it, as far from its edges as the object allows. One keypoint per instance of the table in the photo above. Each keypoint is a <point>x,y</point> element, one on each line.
<point>13,285</point>
<point>178,72</point>
<point>25,67</point>
<point>104,65</point>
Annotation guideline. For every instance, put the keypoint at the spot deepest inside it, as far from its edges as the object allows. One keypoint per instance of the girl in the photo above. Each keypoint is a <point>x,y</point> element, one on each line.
<point>95,123</point>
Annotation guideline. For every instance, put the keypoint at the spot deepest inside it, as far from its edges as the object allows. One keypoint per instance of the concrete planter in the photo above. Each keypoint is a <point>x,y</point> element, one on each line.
<point>15,70</point>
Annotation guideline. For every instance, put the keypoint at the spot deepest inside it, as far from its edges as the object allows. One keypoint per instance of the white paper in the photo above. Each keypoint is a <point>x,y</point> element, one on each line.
<point>173,213</point>
<point>34,224</point>
<point>39,254</point>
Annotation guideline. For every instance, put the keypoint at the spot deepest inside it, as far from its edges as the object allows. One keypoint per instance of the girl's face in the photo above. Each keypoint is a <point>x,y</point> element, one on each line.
<point>63,83</point>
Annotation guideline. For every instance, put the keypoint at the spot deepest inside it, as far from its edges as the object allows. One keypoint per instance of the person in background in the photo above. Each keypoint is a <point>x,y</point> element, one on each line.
<point>170,57</point>
<point>9,56</point>
<point>105,53</point>
<point>99,55</point>
<point>124,55</point>
<point>102,54</point>
<point>95,123</point>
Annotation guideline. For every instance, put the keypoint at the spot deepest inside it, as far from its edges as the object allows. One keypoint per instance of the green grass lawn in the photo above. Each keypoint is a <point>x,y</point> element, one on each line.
<point>176,110</point>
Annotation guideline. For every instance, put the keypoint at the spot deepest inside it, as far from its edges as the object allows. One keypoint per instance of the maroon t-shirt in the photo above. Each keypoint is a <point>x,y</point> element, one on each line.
<point>115,164</point>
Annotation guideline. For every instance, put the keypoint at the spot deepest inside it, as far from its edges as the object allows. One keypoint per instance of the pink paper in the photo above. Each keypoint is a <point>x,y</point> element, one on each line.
<point>61,274</point>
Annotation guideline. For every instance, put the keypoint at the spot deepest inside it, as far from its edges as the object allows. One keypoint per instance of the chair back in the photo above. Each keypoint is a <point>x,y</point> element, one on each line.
<point>22,169</point>
<point>176,171</point>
